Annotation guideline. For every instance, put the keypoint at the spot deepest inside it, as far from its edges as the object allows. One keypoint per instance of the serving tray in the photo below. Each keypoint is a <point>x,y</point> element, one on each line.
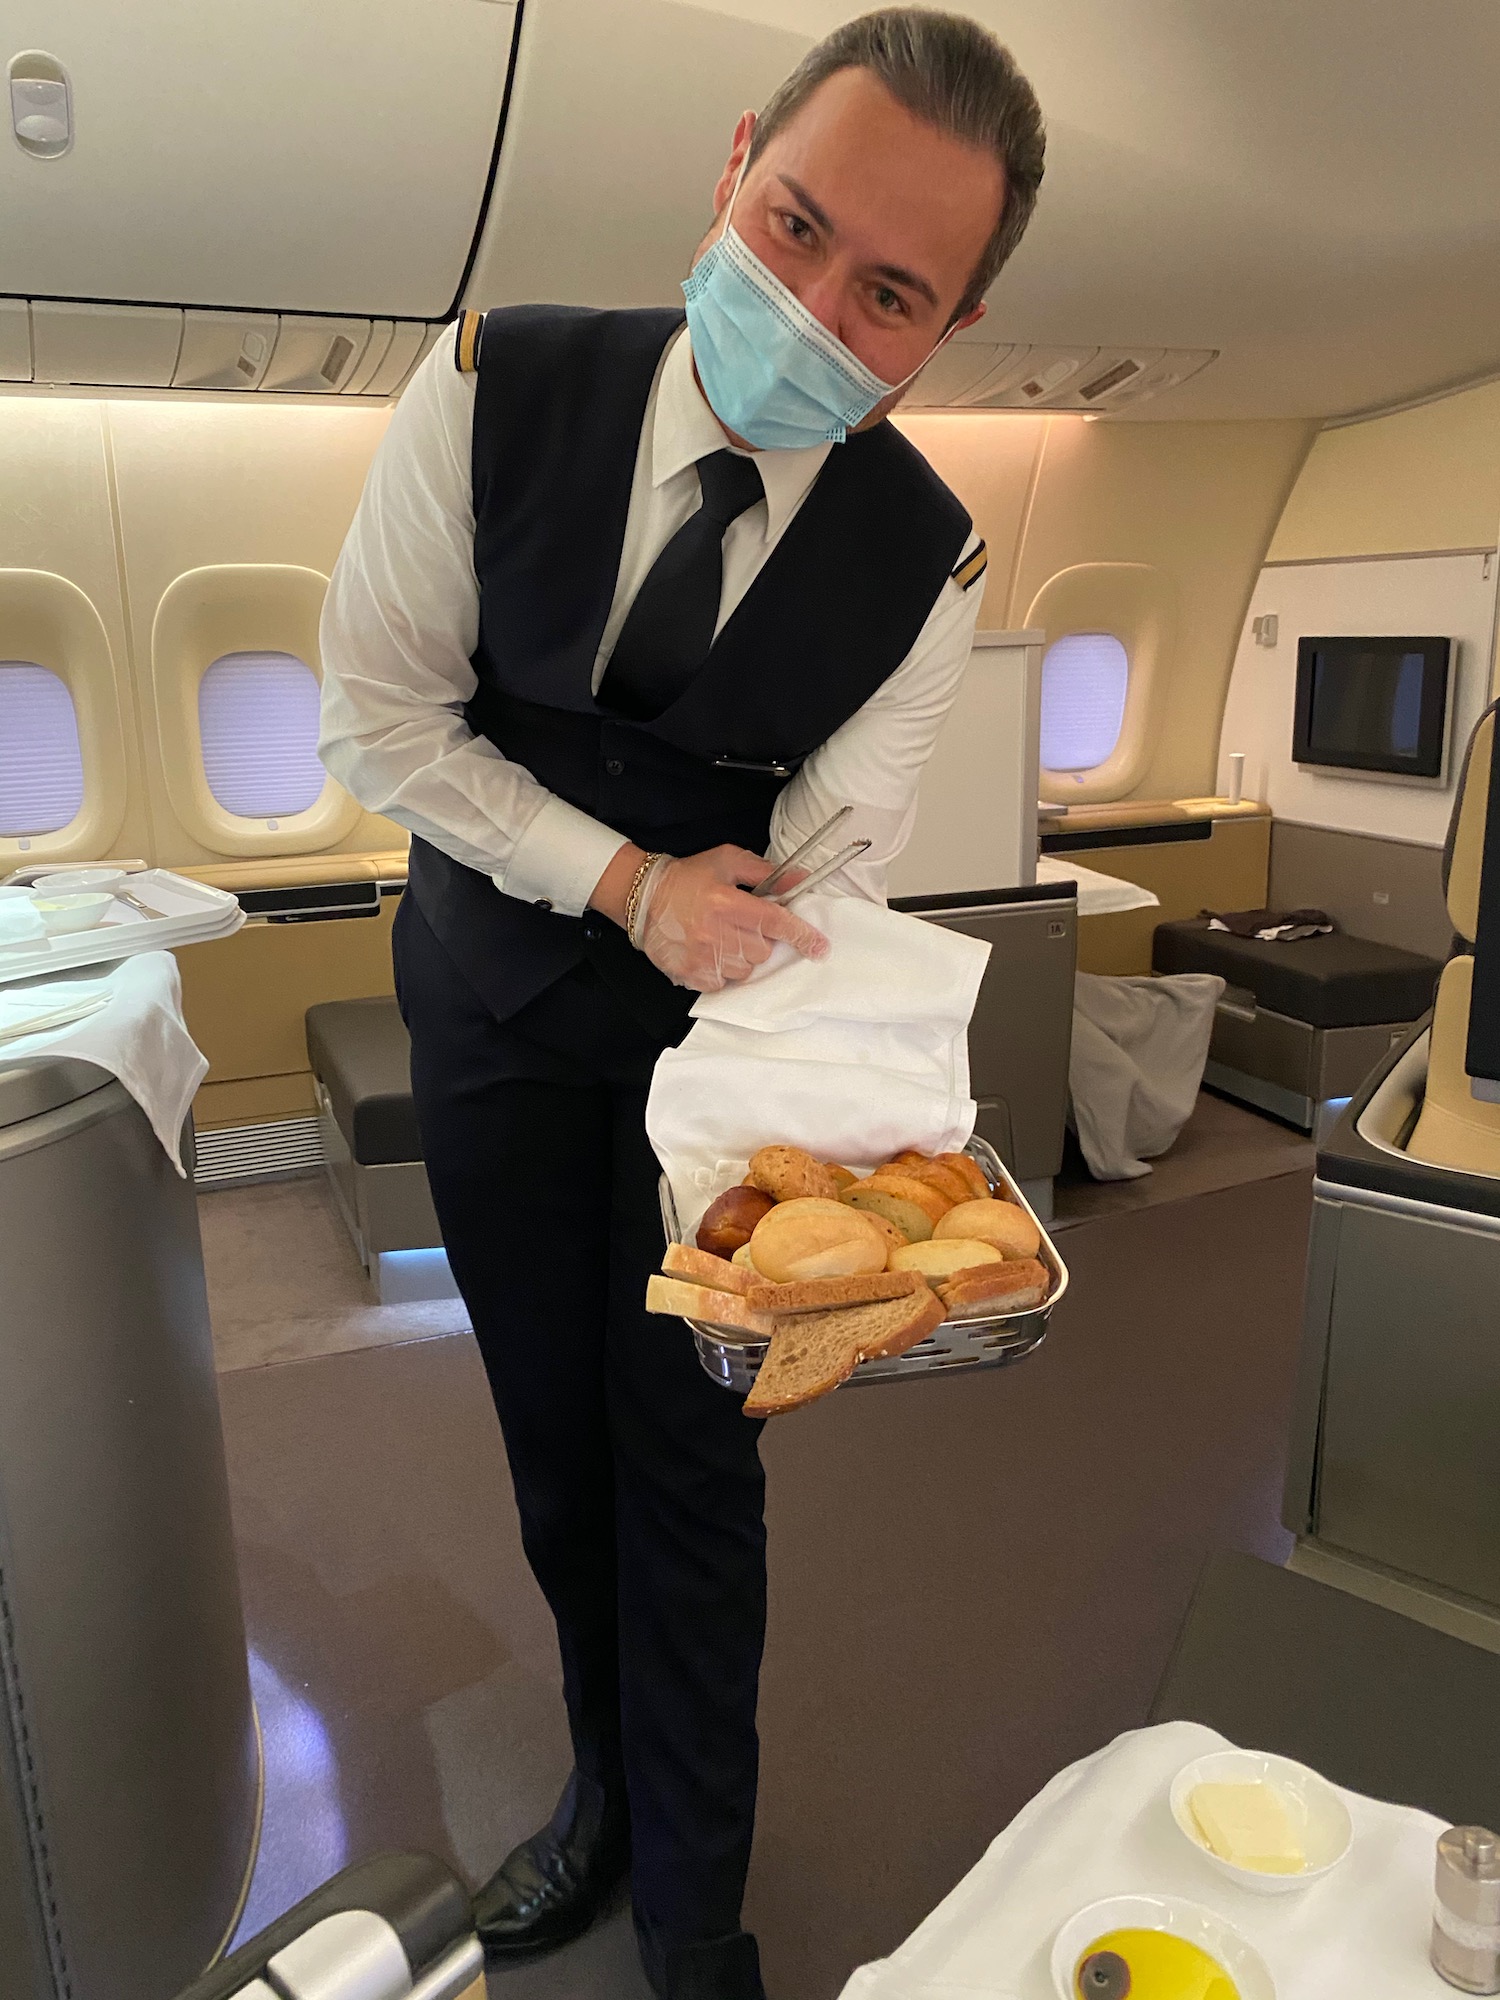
<point>191,912</point>
<point>990,1340</point>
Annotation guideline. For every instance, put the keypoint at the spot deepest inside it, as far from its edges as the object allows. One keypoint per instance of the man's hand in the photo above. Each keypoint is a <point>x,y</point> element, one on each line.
<point>698,926</point>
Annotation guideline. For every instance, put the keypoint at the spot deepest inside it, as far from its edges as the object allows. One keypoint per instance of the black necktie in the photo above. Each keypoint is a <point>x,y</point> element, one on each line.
<point>670,627</point>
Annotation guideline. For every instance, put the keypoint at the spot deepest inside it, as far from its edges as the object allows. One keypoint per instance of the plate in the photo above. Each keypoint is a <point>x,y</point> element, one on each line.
<point>1173,1914</point>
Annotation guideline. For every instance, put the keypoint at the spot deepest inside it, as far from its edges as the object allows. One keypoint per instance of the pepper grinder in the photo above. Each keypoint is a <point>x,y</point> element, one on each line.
<point>1466,1914</point>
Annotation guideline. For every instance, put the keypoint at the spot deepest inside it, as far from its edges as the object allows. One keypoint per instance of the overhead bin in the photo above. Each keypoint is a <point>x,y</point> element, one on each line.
<point>332,161</point>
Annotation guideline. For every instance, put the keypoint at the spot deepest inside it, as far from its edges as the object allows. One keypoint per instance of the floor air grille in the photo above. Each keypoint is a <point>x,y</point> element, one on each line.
<point>238,1153</point>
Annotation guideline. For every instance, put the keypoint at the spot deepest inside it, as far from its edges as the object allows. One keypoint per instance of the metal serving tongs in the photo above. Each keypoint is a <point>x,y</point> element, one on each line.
<point>771,888</point>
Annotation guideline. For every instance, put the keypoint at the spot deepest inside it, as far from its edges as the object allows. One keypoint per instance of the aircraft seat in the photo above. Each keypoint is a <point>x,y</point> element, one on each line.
<point>1392,1463</point>
<point>1301,1022</point>
<point>1458,1127</point>
<point>399,1927</point>
<point>361,1066</point>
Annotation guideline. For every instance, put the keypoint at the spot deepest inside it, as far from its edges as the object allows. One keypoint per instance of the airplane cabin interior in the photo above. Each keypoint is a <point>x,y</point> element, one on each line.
<point>1153,1569</point>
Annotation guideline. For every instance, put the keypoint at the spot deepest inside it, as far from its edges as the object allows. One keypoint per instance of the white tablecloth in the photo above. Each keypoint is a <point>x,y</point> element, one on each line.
<point>135,1031</point>
<point>1104,1828</point>
<point>1098,895</point>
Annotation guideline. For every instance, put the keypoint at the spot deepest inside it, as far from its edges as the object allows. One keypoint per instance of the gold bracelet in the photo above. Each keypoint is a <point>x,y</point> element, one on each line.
<point>633,894</point>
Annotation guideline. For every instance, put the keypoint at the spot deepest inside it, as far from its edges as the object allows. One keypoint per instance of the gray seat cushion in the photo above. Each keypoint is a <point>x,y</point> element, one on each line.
<point>360,1053</point>
<point>1328,982</point>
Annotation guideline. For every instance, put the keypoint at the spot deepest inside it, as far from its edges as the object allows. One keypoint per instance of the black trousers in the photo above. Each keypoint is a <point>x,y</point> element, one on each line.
<point>638,1481</point>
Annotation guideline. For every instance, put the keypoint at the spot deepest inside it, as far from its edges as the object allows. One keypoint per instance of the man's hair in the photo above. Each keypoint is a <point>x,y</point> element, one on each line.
<point>952,73</point>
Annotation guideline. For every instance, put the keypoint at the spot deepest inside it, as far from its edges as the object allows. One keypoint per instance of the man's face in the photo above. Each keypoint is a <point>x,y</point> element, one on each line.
<point>872,217</point>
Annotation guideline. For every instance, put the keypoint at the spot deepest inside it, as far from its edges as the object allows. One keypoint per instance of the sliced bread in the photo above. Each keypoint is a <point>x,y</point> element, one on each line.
<point>821,1294</point>
<point>812,1353</point>
<point>726,1309</point>
<point>703,1268</point>
<point>1017,1285</point>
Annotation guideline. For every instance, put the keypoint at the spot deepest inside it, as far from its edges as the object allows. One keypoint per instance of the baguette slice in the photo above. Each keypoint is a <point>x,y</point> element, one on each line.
<point>821,1294</point>
<point>675,1295</point>
<point>969,1171</point>
<point>1015,1286</point>
<point>703,1268</point>
<point>812,1353</point>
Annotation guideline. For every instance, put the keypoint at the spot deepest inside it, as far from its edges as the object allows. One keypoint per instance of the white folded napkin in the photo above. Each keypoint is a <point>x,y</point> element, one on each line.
<point>1103,1827</point>
<point>853,1056</point>
<point>125,1017</point>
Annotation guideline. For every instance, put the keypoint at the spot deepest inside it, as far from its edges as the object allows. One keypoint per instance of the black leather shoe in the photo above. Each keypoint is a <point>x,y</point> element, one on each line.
<point>726,1968</point>
<point>552,1887</point>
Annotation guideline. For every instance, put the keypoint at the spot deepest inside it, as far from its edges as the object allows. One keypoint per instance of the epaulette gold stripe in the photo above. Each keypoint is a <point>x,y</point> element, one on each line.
<point>466,346</point>
<point>972,568</point>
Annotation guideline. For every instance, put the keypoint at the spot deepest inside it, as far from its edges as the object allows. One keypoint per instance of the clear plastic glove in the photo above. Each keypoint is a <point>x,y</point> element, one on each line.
<point>698,926</point>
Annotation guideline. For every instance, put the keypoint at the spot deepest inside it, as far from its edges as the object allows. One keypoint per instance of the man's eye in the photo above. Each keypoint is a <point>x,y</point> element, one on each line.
<point>889,301</point>
<point>798,226</point>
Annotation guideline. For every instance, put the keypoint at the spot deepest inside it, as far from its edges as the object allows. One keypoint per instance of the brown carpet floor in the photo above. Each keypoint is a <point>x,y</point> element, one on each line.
<point>974,1580</point>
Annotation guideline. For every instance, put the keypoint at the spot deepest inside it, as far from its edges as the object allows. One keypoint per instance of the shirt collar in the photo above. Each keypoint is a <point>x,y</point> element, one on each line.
<point>686,430</point>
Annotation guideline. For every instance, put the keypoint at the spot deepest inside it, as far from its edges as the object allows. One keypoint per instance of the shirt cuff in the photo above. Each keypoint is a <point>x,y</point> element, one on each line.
<point>559,858</point>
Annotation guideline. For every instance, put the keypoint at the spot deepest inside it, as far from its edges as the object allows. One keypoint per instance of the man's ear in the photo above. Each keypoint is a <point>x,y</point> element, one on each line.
<point>742,136</point>
<point>970,318</point>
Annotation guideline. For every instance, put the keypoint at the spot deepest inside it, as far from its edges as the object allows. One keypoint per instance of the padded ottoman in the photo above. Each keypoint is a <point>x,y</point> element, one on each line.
<point>1303,1021</point>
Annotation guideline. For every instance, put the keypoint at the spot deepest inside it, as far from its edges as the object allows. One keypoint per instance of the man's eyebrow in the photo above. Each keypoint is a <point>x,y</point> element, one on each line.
<point>895,274</point>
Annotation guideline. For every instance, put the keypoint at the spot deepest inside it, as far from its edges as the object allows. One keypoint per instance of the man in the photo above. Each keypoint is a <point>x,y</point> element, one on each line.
<point>620,613</point>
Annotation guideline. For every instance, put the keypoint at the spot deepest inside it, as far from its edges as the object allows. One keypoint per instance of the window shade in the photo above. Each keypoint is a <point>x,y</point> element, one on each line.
<point>41,761</point>
<point>258,725</point>
<point>1084,680</point>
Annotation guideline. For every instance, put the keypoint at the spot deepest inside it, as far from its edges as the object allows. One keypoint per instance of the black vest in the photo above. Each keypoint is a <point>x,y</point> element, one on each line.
<point>560,400</point>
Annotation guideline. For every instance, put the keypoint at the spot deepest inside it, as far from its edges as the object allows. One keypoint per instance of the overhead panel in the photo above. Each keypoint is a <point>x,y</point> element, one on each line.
<point>225,350</point>
<point>327,158</point>
<point>1178,364</point>
<point>1109,374</point>
<point>127,347</point>
<point>15,341</point>
<point>315,357</point>
<point>953,370</point>
<point>1030,377</point>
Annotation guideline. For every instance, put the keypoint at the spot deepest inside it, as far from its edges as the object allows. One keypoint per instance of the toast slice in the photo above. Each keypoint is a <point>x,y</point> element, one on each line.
<point>812,1353</point>
<point>725,1309</point>
<point>820,1294</point>
<point>701,1267</point>
<point>1018,1285</point>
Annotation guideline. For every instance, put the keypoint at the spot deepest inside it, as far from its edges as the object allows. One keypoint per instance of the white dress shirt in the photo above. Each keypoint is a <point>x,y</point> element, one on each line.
<point>402,620</point>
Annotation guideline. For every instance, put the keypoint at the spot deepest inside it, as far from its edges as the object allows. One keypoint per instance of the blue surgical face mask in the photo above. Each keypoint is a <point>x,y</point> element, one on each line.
<point>772,372</point>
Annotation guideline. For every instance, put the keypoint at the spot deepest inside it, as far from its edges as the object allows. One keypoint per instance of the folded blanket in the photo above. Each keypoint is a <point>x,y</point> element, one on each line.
<point>1272,926</point>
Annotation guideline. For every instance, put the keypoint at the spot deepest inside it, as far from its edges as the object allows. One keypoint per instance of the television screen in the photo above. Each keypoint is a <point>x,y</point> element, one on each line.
<point>1372,705</point>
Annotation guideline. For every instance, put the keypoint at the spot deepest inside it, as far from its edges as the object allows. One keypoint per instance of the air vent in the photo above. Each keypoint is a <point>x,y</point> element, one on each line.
<point>235,1154</point>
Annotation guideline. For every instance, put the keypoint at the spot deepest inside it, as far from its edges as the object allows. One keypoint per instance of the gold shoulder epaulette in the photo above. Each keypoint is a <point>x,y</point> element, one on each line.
<point>466,342</point>
<point>972,568</point>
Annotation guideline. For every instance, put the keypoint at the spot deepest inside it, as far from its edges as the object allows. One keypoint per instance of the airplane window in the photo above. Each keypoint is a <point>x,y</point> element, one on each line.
<point>1084,679</point>
<point>258,725</point>
<point>41,761</point>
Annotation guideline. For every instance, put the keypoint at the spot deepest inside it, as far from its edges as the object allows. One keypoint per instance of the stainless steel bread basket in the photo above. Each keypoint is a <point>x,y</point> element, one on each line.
<point>987,1341</point>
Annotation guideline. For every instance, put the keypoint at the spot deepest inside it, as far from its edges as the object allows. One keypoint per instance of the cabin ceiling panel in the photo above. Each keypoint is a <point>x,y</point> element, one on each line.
<point>1312,191</point>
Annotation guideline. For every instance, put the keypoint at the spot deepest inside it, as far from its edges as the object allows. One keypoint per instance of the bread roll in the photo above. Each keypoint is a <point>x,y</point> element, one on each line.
<point>942,1180</point>
<point>931,1203</point>
<point>1009,1228</point>
<point>786,1173</point>
<point>701,1268</point>
<point>744,1260</point>
<point>894,1237</point>
<point>729,1221</point>
<point>909,1222</point>
<point>969,1172</point>
<point>809,1237</point>
<point>944,1257</point>
<point>1014,1285</point>
<point>842,1176</point>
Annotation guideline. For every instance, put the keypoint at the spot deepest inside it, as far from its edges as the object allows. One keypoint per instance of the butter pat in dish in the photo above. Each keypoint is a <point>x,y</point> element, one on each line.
<point>1264,1822</point>
<point>1247,1824</point>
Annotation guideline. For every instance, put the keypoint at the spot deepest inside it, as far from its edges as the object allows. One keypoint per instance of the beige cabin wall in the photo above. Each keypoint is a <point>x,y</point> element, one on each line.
<point>1198,502</point>
<point>1413,482</point>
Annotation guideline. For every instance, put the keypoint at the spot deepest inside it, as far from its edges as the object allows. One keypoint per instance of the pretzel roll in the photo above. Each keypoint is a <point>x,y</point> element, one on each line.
<point>727,1222</point>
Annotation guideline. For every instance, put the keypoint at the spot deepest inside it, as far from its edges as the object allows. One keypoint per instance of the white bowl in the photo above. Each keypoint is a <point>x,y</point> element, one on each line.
<point>1319,1817</point>
<point>78,881</point>
<point>1173,1914</point>
<point>61,914</point>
